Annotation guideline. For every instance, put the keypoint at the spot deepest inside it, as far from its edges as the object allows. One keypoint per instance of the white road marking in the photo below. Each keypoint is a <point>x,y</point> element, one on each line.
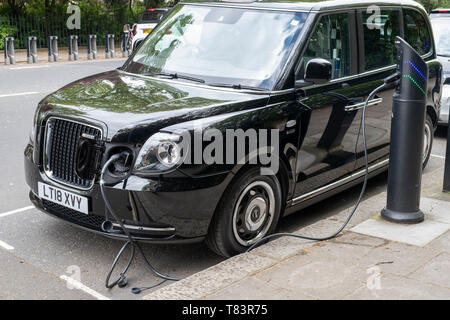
<point>438,156</point>
<point>78,285</point>
<point>29,67</point>
<point>18,94</point>
<point>6,246</point>
<point>15,211</point>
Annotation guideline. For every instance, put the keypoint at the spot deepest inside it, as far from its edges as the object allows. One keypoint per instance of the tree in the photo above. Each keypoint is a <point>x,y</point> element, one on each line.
<point>433,4</point>
<point>130,3</point>
<point>16,5</point>
<point>149,4</point>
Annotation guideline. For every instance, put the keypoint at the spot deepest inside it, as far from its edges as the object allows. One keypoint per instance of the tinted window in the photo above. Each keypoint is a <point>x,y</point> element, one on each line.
<point>152,16</point>
<point>441,29</point>
<point>331,41</point>
<point>416,32</point>
<point>380,30</point>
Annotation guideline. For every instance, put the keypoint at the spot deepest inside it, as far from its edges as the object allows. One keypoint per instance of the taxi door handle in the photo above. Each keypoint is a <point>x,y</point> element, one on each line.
<point>361,105</point>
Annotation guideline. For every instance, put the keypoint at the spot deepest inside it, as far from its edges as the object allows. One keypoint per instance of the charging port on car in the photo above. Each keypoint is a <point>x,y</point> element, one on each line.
<point>123,166</point>
<point>88,156</point>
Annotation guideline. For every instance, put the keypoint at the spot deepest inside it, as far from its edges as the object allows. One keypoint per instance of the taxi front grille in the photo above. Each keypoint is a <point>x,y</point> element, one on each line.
<point>62,137</point>
<point>90,221</point>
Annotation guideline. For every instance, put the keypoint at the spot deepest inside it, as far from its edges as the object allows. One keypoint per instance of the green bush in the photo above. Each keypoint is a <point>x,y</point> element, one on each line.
<point>6,30</point>
<point>433,4</point>
<point>99,17</point>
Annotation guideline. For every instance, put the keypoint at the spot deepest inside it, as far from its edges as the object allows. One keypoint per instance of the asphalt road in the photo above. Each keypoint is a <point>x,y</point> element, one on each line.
<point>38,253</point>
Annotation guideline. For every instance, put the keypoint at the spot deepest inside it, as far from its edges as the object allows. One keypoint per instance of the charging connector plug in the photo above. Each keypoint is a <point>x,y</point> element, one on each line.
<point>393,78</point>
<point>122,164</point>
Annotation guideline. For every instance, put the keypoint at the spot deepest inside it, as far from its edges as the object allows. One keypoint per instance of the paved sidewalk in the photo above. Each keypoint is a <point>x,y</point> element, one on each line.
<point>63,55</point>
<point>356,265</point>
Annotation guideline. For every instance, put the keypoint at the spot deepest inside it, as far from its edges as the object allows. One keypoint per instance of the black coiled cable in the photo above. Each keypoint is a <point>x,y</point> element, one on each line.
<point>121,281</point>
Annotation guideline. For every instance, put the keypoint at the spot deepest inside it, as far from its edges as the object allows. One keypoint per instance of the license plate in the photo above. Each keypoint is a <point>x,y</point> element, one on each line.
<point>63,197</point>
<point>147,30</point>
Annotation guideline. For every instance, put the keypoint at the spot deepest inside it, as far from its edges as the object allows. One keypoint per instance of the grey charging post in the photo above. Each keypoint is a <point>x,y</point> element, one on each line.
<point>407,130</point>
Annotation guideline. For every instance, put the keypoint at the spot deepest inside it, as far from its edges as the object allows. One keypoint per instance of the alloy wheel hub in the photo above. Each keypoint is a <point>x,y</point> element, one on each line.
<point>255,213</point>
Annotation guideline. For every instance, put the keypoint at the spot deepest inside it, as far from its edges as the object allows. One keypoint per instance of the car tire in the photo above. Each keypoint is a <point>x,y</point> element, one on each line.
<point>428,140</point>
<point>137,44</point>
<point>248,211</point>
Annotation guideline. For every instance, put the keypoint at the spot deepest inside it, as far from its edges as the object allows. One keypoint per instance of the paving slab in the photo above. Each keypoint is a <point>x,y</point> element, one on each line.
<point>435,209</point>
<point>397,258</point>
<point>285,247</point>
<point>262,291</point>
<point>416,234</point>
<point>393,287</point>
<point>352,255</point>
<point>360,240</point>
<point>367,209</point>
<point>432,184</point>
<point>441,244</point>
<point>436,271</point>
<point>316,274</point>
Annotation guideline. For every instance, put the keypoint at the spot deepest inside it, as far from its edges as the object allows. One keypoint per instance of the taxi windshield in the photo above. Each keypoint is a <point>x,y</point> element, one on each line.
<point>230,46</point>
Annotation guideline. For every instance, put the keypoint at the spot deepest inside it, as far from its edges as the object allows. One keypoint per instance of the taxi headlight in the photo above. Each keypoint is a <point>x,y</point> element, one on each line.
<point>160,153</point>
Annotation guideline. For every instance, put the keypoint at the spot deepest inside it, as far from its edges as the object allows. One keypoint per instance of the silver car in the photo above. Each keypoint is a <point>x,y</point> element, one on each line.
<point>440,20</point>
<point>148,21</point>
<point>445,102</point>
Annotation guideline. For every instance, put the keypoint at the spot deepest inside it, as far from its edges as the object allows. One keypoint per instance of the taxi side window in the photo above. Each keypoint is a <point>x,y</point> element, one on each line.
<point>417,32</point>
<point>380,30</point>
<point>331,41</point>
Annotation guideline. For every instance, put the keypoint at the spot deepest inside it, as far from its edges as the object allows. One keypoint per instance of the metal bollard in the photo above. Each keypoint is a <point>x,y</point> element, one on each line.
<point>92,47</point>
<point>109,48</point>
<point>125,39</point>
<point>9,50</point>
<point>126,51</point>
<point>32,56</point>
<point>447,165</point>
<point>52,49</point>
<point>73,48</point>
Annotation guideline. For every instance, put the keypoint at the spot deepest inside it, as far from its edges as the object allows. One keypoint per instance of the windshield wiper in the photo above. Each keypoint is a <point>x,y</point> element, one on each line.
<point>444,55</point>
<point>236,86</point>
<point>175,76</point>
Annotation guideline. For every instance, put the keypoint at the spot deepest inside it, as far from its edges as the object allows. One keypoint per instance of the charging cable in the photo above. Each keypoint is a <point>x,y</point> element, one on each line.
<point>122,281</point>
<point>387,82</point>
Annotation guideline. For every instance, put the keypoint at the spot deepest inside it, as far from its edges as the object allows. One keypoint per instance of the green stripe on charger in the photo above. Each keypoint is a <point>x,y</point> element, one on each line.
<point>415,82</point>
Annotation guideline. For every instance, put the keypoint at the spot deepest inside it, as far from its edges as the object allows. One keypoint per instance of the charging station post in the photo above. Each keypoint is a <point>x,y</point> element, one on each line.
<point>407,130</point>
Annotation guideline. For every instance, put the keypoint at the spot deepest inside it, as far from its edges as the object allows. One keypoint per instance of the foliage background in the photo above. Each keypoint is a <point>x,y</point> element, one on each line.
<point>42,18</point>
<point>22,18</point>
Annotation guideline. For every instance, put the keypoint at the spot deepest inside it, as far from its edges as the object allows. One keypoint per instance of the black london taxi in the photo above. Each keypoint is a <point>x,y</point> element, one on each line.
<point>302,68</point>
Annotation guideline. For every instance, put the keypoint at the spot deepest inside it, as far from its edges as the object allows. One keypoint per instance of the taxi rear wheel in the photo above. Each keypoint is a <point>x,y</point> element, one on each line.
<point>428,138</point>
